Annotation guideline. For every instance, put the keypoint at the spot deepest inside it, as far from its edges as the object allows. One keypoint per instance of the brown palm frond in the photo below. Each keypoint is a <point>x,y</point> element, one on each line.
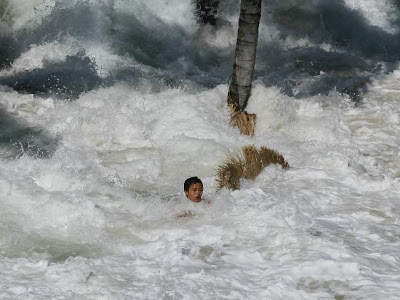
<point>229,173</point>
<point>247,163</point>
<point>251,162</point>
<point>269,156</point>
<point>245,122</point>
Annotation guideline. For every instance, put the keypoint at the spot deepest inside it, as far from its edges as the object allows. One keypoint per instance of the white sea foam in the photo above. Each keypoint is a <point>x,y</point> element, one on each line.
<point>378,13</point>
<point>37,55</point>
<point>314,230</point>
<point>23,14</point>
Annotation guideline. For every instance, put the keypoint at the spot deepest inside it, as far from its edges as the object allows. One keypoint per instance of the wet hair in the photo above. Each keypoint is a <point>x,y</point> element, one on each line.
<point>190,181</point>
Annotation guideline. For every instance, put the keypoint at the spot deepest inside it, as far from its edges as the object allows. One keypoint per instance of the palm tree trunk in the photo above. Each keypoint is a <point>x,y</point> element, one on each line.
<point>245,53</point>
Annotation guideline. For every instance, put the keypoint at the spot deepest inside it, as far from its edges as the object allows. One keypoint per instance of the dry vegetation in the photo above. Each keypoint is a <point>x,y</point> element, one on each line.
<point>247,163</point>
<point>269,156</point>
<point>251,160</point>
<point>245,122</point>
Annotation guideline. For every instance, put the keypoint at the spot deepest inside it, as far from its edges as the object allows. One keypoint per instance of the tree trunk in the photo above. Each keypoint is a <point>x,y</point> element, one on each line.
<point>245,53</point>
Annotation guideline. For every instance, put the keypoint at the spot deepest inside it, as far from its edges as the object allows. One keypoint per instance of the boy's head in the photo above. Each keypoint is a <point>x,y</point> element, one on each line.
<point>193,188</point>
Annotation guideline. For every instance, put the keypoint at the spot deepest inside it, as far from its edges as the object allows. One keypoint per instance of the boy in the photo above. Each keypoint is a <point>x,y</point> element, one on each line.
<point>193,188</point>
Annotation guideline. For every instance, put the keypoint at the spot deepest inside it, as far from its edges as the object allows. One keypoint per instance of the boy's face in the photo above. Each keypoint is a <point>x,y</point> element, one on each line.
<point>195,192</point>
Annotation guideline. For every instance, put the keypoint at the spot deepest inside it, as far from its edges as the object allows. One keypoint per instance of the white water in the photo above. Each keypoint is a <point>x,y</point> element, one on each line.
<point>97,219</point>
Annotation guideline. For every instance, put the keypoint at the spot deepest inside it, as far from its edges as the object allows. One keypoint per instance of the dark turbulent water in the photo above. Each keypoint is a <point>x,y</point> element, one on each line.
<point>107,106</point>
<point>356,48</point>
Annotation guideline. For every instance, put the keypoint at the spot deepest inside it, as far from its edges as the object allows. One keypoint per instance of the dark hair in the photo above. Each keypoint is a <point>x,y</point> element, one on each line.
<point>190,181</point>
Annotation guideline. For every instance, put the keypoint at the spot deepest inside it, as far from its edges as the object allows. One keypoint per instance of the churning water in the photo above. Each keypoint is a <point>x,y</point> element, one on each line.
<point>106,107</point>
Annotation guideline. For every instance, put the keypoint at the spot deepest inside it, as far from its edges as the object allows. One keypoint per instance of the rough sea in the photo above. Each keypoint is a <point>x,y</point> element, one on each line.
<point>107,106</point>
